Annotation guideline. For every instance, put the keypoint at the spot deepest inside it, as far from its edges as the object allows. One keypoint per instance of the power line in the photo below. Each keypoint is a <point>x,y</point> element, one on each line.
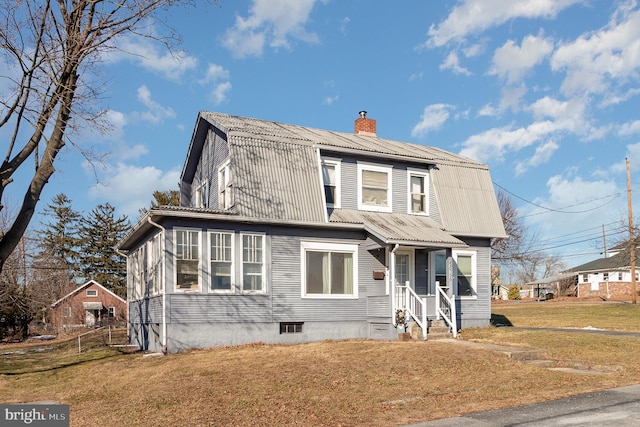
<point>561,210</point>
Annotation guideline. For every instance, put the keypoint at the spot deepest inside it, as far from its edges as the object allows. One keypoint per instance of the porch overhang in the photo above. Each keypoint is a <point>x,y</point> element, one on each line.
<point>399,229</point>
<point>89,305</point>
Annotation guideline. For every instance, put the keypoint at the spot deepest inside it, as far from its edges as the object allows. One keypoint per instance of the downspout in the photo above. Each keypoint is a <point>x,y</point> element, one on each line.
<point>124,255</point>
<point>392,261</point>
<point>163,284</point>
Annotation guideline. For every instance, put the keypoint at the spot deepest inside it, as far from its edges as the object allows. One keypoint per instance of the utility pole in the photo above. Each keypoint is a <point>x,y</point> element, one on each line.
<point>632,245</point>
<point>604,241</point>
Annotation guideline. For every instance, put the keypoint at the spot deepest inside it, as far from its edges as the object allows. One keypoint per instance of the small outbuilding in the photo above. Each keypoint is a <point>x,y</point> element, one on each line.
<point>89,305</point>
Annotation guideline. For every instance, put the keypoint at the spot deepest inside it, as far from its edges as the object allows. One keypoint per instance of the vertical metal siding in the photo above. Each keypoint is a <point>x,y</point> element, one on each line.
<point>277,180</point>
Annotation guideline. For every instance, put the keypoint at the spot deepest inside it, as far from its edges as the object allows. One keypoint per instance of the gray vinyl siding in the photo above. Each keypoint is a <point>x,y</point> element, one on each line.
<point>213,308</point>
<point>399,189</point>
<point>147,310</point>
<point>349,186</point>
<point>288,303</point>
<point>477,312</point>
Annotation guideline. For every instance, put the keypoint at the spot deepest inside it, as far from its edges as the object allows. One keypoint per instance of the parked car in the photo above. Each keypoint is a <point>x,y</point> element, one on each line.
<point>545,294</point>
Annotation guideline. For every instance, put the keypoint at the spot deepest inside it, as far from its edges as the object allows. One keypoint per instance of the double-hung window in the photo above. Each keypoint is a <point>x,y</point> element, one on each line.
<point>418,183</point>
<point>329,270</point>
<point>225,186</point>
<point>221,250</point>
<point>253,262</point>
<point>331,182</point>
<point>187,260</point>
<point>374,187</point>
<point>202,195</point>
<point>466,267</point>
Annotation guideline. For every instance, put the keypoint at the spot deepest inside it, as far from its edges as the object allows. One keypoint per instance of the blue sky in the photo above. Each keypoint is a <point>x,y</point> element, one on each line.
<point>545,92</point>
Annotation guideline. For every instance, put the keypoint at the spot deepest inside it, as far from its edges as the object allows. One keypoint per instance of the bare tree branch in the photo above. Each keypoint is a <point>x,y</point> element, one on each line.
<point>47,47</point>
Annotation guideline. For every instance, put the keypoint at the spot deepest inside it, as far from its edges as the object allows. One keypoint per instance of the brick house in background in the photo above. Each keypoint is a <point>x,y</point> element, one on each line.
<point>608,277</point>
<point>90,305</point>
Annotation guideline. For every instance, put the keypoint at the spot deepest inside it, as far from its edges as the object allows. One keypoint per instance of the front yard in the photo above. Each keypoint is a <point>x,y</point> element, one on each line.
<point>336,383</point>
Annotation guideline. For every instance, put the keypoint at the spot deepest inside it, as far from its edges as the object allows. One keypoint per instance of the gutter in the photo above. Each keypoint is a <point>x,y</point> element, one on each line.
<point>163,284</point>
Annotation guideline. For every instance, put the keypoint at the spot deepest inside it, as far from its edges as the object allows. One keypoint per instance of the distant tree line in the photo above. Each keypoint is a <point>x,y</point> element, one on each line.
<point>66,251</point>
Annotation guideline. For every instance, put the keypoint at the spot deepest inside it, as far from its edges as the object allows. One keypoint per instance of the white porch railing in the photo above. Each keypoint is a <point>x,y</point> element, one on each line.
<point>413,305</point>
<point>446,308</point>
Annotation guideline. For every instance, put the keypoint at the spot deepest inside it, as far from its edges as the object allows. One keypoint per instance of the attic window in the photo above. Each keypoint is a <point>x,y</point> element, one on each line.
<point>92,293</point>
<point>225,186</point>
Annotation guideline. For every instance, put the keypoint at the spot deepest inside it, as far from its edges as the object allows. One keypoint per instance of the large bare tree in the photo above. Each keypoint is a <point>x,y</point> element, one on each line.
<point>49,53</point>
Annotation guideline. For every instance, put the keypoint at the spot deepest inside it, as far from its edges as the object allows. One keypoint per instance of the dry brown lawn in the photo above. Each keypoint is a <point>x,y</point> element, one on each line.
<point>350,383</point>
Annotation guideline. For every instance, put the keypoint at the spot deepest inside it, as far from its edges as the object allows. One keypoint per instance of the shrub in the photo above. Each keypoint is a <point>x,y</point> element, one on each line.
<point>514,292</point>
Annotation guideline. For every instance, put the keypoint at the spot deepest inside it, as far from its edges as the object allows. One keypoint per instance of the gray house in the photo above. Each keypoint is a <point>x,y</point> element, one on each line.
<point>288,234</point>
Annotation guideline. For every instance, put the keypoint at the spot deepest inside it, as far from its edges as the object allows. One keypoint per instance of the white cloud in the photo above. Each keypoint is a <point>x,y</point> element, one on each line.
<point>512,62</point>
<point>543,154</point>
<point>273,22</point>
<point>147,54</point>
<point>433,117</point>
<point>630,128</point>
<point>511,96</point>
<point>494,143</point>
<point>329,100</point>
<point>344,24</point>
<point>451,62</point>
<point>487,110</point>
<point>116,187</point>
<point>156,113</point>
<point>218,76</point>
<point>474,16</point>
<point>601,61</point>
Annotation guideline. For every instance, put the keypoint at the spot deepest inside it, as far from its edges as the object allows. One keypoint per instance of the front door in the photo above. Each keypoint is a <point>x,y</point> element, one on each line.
<point>91,318</point>
<point>404,268</point>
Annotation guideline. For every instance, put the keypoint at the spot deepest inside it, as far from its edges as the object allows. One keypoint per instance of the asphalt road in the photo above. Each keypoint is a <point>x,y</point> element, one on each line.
<point>618,407</point>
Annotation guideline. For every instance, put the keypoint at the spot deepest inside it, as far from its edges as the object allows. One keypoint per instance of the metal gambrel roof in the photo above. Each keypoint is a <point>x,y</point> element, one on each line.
<point>398,228</point>
<point>467,201</point>
<point>336,141</point>
<point>284,180</point>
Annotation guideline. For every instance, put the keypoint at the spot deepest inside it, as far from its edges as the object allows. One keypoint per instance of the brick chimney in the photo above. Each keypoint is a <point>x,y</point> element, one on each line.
<point>364,126</point>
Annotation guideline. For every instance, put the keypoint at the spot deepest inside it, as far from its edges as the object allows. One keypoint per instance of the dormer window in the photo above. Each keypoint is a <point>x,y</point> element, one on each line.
<point>331,182</point>
<point>225,186</point>
<point>418,183</point>
<point>201,195</point>
<point>374,188</point>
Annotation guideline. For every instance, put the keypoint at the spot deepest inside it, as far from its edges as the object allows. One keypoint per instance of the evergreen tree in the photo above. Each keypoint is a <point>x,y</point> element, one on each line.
<point>56,264</point>
<point>162,198</point>
<point>99,233</point>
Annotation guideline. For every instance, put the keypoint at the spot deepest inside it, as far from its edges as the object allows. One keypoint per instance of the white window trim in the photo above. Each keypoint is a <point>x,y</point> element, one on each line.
<point>233,262</point>
<point>264,263</point>
<point>474,272</point>
<point>329,247</point>
<point>376,168</point>
<point>425,176</point>
<point>175,260</point>
<point>94,293</point>
<point>336,163</point>
<point>225,186</point>
<point>202,195</point>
